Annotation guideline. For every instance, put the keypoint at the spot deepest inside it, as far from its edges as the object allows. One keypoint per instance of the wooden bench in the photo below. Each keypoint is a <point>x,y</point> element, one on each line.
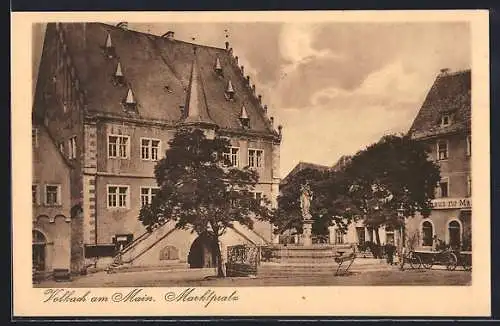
<point>343,260</point>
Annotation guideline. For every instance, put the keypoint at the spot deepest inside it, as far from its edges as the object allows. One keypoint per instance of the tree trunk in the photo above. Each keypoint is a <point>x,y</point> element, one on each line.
<point>377,239</point>
<point>220,267</point>
<point>377,236</point>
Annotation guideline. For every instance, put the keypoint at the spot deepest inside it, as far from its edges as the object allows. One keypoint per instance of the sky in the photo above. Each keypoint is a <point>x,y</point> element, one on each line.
<point>334,87</point>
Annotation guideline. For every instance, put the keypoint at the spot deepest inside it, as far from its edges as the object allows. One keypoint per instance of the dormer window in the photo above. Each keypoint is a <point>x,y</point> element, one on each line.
<point>130,103</point>
<point>109,49</point>
<point>229,94</point>
<point>218,68</point>
<point>118,78</point>
<point>445,120</point>
<point>244,119</point>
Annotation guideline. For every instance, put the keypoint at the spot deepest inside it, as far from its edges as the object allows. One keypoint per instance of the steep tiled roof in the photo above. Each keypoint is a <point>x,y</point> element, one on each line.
<point>450,94</point>
<point>302,166</point>
<point>158,71</point>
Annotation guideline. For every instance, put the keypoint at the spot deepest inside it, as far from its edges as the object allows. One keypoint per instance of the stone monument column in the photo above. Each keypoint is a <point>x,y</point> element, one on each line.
<point>305,204</point>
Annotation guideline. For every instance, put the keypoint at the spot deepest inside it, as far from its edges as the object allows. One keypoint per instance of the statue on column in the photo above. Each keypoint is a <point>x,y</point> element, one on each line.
<point>305,201</point>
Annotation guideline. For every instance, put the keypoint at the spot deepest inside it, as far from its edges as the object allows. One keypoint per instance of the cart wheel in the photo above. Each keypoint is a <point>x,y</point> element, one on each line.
<point>427,262</point>
<point>415,261</point>
<point>451,263</point>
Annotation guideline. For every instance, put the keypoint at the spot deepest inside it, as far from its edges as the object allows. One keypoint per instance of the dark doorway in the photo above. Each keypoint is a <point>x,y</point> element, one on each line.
<point>454,231</point>
<point>203,253</point>
<point>39,247</point>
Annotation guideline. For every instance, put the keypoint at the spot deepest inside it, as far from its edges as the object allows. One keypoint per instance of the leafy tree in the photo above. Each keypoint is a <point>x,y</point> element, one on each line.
<point>392,179</point>
<point>331,204</point>
<point>200,191</point>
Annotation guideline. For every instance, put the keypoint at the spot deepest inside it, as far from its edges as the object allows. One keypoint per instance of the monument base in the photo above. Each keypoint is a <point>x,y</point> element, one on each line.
<point>307,233</point>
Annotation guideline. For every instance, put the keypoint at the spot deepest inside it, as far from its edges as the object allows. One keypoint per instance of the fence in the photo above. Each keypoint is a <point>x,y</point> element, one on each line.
<point>242,260</point>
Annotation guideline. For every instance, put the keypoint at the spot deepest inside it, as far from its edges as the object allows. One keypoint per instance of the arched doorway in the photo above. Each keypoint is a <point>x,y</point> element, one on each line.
<point>39,247</point>
<point>454,231</point>
<point>203,253</point>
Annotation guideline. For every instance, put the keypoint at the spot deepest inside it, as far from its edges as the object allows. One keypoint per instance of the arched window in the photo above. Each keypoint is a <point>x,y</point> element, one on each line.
<point>427,233</point>
<point>454,234</point>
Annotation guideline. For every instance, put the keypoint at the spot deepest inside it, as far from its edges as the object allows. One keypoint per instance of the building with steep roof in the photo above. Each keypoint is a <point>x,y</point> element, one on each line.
<point>112,98</point>
<point>444,125</point>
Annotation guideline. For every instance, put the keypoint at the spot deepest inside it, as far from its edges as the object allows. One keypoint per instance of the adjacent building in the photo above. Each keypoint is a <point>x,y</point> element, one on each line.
<point>110,99</point>
<point>52,219</point>
<point>444,125</point>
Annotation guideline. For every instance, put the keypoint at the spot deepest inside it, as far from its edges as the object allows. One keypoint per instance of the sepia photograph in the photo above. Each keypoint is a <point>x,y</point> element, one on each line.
<point>277,153</point>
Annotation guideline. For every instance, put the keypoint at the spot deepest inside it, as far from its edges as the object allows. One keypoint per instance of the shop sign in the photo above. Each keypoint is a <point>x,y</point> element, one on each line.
<point>451,203</point>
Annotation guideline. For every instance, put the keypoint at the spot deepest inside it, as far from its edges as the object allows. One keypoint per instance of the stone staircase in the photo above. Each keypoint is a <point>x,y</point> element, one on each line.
<point>125,258</point>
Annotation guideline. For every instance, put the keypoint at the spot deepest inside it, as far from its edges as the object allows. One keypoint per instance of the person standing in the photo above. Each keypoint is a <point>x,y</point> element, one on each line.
<point>389,250</point>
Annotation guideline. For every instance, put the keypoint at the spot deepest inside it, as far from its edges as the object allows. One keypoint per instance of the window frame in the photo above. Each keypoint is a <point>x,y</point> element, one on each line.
<point>447,181</point>
<point>37,193</point>
<point>468,146</point>
<point>118,144</point>
<point>443,116</point>
<point>58,195</point>
<point>256,150</point>
<point>127,198</point>
<point>445,141</point>
<point>433,232</point>
<point>231,156</point>
<point>149,195</point>
<point>150,149</point>
<point>72,148</point>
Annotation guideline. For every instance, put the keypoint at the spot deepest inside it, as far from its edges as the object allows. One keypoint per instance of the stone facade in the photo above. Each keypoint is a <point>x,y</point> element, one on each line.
<point>160,85</point>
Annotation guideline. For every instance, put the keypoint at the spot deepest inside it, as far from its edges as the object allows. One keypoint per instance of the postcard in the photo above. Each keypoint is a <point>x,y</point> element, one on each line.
<point>251,164</point>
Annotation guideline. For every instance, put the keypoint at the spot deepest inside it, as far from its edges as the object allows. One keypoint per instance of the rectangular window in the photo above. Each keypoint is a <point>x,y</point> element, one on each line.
<point>469,146</point>
<point>145,149</point>
<point>150,149</point>
<point>339,237</point>
<point>443,188</point>
<point>255,158</point>
<point>257,195</point>
<point>118,146</point>
<point>445,120</point>
<point>469,186</point>
<point>52,195</point>
<point>442,150</point>
<point>118,196</point>
<point>155,149</point>
<point>233,156</point>
<point>72,148</point>
<point>34,137</point>
<point>34,194</point>
<point>147,195</point>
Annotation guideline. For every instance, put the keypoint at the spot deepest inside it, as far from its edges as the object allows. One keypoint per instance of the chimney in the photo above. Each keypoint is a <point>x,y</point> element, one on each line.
<point>227,46</point>
<point>169,35</point>
<point>236,59</point>
<point>265,108</point>
<point>248,80</point>
<point>260,98</point>
<point>271,120</point>
<point>242,69</point>
<point>280,130</point>
<point>253,89</point>
<point>444,71</point>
